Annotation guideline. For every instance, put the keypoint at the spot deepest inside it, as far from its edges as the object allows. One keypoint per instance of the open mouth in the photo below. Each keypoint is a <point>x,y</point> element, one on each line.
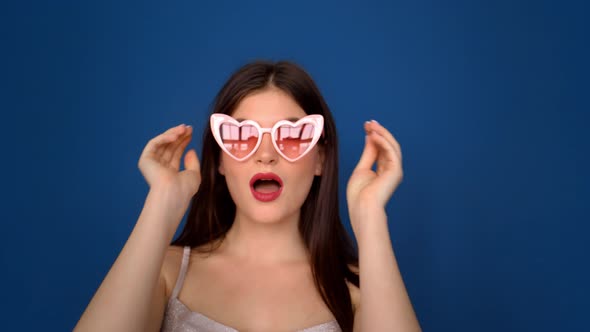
<point>266,186</point>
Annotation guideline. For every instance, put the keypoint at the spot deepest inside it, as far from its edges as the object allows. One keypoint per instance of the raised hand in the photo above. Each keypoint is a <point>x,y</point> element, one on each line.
<point>372,189</point>
<point>160,162</point>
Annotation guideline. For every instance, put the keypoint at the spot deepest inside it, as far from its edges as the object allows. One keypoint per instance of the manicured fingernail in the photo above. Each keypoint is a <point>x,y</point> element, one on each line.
<point>189,126</point>
<point>375,121</point>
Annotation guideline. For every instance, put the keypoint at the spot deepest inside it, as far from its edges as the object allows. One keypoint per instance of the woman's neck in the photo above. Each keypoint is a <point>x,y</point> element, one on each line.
<point>255,242</point>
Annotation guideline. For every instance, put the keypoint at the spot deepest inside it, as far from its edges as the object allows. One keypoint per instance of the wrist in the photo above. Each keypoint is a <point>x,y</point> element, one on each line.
<point>366,211</point>
<point>367,221</point>
<point>169,194</point>
<point>166,202</point>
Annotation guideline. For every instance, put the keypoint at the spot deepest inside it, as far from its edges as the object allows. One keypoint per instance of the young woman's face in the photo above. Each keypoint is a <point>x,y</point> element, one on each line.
<point>265,201</point>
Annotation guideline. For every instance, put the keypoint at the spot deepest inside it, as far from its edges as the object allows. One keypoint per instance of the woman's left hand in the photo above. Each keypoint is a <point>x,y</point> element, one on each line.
<point>372,189</point>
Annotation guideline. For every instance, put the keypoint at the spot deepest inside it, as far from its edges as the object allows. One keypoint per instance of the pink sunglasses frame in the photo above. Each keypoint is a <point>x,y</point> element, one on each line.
<point>217,119</point>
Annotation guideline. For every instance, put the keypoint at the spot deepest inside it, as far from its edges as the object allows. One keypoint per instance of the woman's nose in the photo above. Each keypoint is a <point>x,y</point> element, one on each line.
<point>266,153</point>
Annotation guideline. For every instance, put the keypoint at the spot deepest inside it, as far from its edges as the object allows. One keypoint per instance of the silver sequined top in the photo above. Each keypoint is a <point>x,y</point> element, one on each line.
<point>179,318</point>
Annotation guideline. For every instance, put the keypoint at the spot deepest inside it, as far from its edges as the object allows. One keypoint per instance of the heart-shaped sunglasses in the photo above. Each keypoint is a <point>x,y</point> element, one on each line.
<point>291,140</point>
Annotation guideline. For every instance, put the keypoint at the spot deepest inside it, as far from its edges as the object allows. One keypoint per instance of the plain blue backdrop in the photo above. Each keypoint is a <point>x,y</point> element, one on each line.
<point>488,100</point>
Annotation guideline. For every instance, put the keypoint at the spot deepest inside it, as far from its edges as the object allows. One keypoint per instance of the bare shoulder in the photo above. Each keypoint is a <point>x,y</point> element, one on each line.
<point>171,267</point>
<point>172,262</point>
<point>355,292</point>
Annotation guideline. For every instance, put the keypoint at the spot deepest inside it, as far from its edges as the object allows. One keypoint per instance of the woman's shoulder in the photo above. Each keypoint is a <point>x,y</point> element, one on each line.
<point>171,267</point>
<point>172,263</point>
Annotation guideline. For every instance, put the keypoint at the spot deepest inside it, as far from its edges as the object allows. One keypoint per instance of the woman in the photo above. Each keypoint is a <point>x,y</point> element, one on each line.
<point>263,248</point>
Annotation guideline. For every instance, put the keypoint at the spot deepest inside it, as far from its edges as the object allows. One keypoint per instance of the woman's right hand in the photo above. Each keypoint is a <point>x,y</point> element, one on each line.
<point>160,162</point>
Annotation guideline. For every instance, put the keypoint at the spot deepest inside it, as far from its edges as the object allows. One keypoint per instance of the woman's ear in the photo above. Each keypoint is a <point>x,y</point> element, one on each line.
<point>220,168</point>
<point>319,166</point>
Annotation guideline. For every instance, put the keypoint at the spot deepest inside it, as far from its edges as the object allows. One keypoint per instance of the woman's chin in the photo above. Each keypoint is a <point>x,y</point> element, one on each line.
<point>268,216</point>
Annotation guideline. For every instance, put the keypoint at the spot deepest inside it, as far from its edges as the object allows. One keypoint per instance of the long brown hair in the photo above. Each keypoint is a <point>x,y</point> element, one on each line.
<point>212,209</point>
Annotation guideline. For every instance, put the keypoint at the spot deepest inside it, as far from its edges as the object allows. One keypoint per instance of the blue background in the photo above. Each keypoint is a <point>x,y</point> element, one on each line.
<point>488,100</point>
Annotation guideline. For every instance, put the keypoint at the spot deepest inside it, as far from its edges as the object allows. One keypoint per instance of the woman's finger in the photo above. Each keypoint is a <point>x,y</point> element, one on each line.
<point>191,176</point>
<point>376,126</point>
<point>191,161</point>
<point>154,145</point>
<point>169,151</point>
<point>181,143</point>
<point>368,156</point>
<point>179,150</point>
<point>387,156</point>
<point>161,149</point>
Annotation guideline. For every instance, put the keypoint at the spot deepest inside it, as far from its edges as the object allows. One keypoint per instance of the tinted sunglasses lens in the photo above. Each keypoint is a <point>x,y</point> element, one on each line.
<point>238,141</point>
<point>295,141</point>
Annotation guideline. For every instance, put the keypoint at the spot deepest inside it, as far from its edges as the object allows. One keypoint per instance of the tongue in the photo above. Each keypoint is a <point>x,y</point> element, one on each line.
<point>266,186</point>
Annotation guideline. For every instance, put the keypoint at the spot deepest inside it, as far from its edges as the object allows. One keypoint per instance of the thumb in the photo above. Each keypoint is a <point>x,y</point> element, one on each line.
<point>369,154</point>
<point>191,161</point>
<point>192,173</point>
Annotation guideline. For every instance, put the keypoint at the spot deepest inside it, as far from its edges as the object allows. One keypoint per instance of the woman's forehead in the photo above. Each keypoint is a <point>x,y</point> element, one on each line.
<point>267,107</point>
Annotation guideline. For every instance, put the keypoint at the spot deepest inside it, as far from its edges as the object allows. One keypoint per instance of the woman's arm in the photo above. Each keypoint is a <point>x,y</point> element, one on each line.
<point>132,295</point>
<point>384,304</point>
<point>125,299</point>
<point>384,301</point>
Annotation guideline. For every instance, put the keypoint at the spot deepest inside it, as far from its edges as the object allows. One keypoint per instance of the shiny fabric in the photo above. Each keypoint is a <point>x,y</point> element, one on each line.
<point>179,318</point>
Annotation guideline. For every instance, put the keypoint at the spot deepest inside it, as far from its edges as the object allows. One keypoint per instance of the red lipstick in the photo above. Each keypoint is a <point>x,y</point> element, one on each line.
<point>270,192</point>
